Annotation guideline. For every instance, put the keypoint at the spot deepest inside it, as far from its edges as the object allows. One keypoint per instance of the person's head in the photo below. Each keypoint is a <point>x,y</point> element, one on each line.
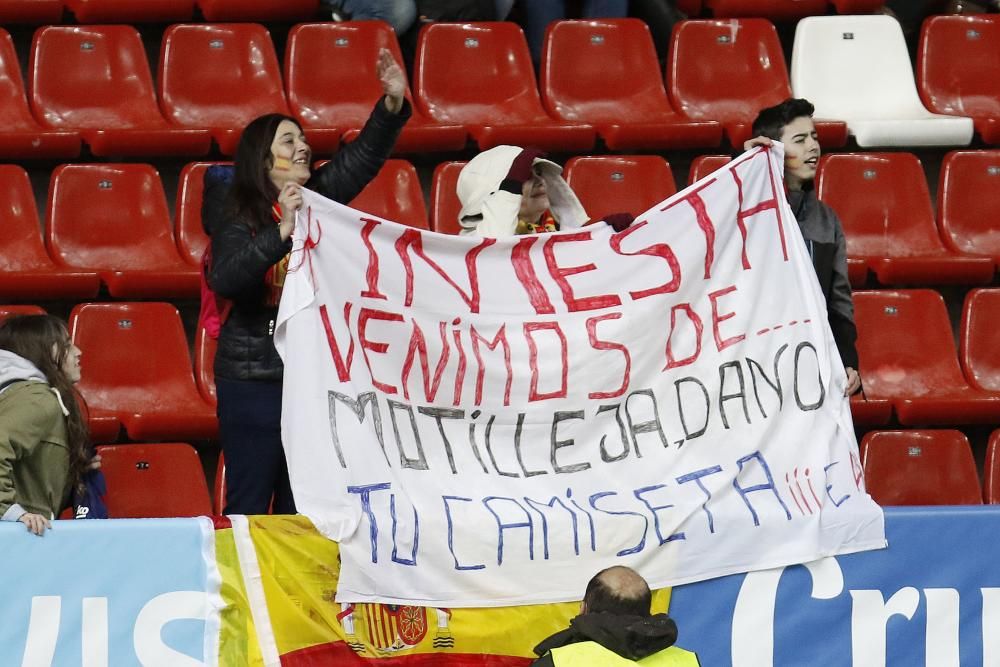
<point>272,151</point>
<point>791,123</point>
<point>44,341</point>
<point>617,590</point>
<point>534,199</point>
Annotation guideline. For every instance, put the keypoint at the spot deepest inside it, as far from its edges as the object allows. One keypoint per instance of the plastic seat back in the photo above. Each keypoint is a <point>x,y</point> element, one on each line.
<point>204,364</point>
<point>991,470</point>
<point>154,480</point>
<point>920,467</point>
<point>858,68</point>
<point>445,205</point>
<point>968,202</point>
<point>883,202</point>
<point>92,77</point>
<point>495,83</point>
<point>581,58</point>
<point>395,194</point>
<point>620,183</point>
<point>191,237</point>
<point>110,217</point>
<point>957,64</point>
<point>21,242</point>
<point>727,71</point>
<point>125,11</point>
<point>979,338</point>
<point>259,10</point>
<point>31,11</point>
<point>905,344</point>
<point>703,165</point>
<point>137,356</point>
<point>776,10</point>
<point>219,76</point>
<point>15,310</point>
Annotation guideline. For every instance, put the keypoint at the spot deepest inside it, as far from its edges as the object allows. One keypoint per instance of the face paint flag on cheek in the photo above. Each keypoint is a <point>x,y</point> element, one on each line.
<point>282,163</point>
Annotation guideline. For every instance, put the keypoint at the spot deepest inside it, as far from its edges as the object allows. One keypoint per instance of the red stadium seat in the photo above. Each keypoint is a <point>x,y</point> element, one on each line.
<point>22,136</point>
<point>968,202</point>
<point>907,356</point>
<point>113,219</point>
<point>857,6</point>
<point>191,237</point>
<point>920,468</point>
<point>154,480</point>
<point>331,101</point>
<point>444,198</point>
<point>620,183</point>
<point>259,10</point>
<point>138,367</point>
<point>493,93</point>
<point>728,71</point>
<point>581,58</point>
<point>885,207</point>
<point>991,470</point>
<point>95,80</point>
<point>130,11</point>
<point>776,10</point>
<point>703,165</point>
<point>204,364</point>
<point>219,487</point>
<point>219,77</point>
<point>979,339</point>
<point>30,11</point>
<point>13,310</point>
<point>395,194</point>
<point>28,271</point>
<point>867,411</point>
<point>957,64</point>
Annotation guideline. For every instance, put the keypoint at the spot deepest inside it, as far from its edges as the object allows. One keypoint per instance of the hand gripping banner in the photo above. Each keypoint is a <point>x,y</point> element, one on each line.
<point>489,422</point>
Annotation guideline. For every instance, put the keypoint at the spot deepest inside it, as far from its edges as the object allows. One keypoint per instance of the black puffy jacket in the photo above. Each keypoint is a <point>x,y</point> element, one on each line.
<point>241,257</point>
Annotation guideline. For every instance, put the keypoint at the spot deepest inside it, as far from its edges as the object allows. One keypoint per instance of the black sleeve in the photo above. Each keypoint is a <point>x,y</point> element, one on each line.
<point>357,163</point>
<point>544,661</point>
<point>241,258</point>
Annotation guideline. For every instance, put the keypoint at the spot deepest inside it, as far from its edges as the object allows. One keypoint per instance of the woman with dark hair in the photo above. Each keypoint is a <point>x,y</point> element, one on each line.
<point>43,436</point>
<point>249,212</point>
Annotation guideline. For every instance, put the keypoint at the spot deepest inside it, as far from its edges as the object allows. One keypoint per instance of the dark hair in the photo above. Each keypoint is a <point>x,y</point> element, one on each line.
<point>631,600</point>
<point>771,122</point>
<point>252,193</point>
<point>31,337</point>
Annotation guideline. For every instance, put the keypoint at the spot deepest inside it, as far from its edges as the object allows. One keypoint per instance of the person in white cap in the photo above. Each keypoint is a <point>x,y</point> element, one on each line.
<point>509,191</point>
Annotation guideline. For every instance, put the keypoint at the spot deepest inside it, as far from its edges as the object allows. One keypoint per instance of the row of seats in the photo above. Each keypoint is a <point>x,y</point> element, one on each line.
<point>117,11</point>
<point>929,467</point>
<point>139,11</point>
<point>94,83</point>
<point>110,224</point>
<point>901,467</point>
<point>139,373</point>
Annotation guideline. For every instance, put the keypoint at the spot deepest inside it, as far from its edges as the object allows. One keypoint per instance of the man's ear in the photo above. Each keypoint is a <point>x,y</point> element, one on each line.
<point>583,607</point>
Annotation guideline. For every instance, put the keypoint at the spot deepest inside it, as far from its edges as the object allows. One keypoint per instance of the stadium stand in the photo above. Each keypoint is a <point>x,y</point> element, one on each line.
<point>579,58</point>
<point>957,64</point>
<point>334,101</point>
<point>113,219</point>
<point>920,467</point>
<point>968,202</point>
<point>219,77</point>
<point>28,271</point>
<point>907,356</point>
<point>885,207</point>
<point>138,369</point>
<point>609,184</point>
<point>95,80</point>
<point>191,237</point>
<point>395,194</point>
<point>979,339</point>
<point>857,68</point>
<point>494,93</point>
<point>129,11</point>
<point>728,71</point>
<point>23,137</point>
<point>147,481</point>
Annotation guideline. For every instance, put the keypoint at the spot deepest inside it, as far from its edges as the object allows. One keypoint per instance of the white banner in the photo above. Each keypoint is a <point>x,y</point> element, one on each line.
<point>486,422</point>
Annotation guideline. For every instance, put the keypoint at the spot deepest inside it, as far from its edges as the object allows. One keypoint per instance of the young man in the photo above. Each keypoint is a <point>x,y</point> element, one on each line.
<point>791,123</point>
<point>615,627</point>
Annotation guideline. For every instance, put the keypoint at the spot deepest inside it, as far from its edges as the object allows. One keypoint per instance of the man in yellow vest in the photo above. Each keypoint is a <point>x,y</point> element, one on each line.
<point>615,628</point>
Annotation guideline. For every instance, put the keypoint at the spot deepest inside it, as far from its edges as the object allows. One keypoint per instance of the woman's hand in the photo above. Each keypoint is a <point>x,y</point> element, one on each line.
<point>390,75</point>
<point>290,201</point>
<point>853,382</point>
<point>95,463</point>
<point>36,523</point>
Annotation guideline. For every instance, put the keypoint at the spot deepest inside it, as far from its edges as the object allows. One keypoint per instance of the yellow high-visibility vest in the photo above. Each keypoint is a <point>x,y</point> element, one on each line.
<point>583,654</point>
